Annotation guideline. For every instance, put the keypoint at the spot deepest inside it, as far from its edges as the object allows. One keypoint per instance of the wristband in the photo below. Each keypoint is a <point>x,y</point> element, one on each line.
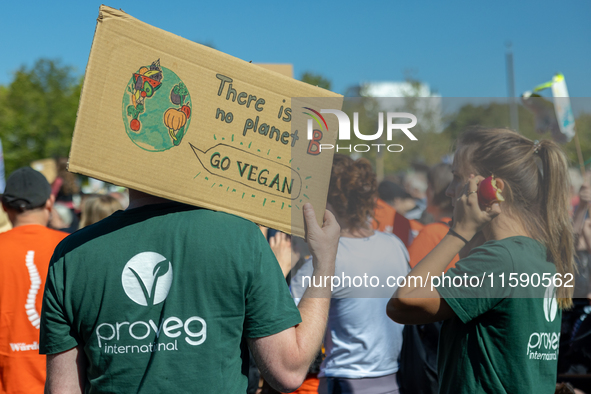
<point>451,232</point>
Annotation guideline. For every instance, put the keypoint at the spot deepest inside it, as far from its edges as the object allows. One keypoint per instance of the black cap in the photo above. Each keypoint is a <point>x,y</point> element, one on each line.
<point>26,189</point>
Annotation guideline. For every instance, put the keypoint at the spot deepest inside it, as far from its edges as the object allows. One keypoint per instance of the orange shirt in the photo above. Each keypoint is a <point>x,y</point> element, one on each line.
<point>387,220</point>
<point>415,227</point>
<point>427,239</point>
<point>25,252</point>
<point>310,385</point>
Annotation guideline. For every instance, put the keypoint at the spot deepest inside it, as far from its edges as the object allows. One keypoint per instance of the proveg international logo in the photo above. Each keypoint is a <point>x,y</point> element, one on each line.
<point>544,345</point>
<point>315,146</point>
<point>147,280</point>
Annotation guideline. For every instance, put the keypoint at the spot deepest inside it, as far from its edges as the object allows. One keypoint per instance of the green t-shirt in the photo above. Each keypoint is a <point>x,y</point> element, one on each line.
<point>503,339</point>
<point>161,299</point>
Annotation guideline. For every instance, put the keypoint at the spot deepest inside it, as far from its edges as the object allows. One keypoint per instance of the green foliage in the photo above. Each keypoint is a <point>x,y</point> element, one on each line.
<point>490,115</point>
<point>316,80</point>
<point>497,115</point>
<point>583,128</point>
<point>38,112</point>
<point>432,146</point>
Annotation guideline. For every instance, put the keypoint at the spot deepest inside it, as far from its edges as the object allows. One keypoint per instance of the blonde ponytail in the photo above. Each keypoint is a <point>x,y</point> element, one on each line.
<point>537,184</point>
<point>555,203</point>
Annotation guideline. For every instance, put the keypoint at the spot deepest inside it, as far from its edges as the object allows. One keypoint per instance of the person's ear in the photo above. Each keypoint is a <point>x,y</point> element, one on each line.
<point>49,203</point>
<point>500,186</point>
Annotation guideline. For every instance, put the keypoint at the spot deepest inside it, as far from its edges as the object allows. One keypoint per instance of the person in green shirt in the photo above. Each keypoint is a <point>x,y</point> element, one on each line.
<point>165,298</point>
<point>501,304</point>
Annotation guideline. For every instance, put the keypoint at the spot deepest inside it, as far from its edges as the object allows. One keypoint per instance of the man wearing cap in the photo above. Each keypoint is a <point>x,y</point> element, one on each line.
<point>25,252</point>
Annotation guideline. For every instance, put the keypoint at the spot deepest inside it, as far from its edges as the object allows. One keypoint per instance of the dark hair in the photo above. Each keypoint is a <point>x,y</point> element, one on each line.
<point>352,190</point>
<point>389,191</point>
<point>536,188</point>
<point>439,177</point>
<point>70,185</point>
<point>21,206</point>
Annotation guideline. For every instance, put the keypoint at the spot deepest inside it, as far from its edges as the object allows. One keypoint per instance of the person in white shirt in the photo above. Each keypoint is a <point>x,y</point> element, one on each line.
<point>362,343</point>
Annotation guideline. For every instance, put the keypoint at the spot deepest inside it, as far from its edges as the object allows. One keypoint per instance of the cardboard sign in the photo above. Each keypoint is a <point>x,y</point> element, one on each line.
<point>283,69</point>
<point>175,119</point>
<point>48,167</point>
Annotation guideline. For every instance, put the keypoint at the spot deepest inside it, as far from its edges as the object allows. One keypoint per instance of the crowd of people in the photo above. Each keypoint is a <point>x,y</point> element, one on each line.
<point>118,292</point>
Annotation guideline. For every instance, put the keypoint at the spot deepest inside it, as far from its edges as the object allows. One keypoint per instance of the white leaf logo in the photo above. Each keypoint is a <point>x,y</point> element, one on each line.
<point>147,278</point>
<point>550,306</point>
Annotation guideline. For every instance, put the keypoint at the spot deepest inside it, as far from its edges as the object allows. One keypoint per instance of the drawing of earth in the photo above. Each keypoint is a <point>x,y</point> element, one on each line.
<point>156,108</point>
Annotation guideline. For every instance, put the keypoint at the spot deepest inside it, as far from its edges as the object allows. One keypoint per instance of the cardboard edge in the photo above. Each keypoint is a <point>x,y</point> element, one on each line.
<point>113,13</point>
<point>298,231</point>
<point>263,65</point>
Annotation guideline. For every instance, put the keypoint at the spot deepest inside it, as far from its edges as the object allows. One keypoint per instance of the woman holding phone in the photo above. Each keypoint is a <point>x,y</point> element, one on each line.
<point>502,317</point>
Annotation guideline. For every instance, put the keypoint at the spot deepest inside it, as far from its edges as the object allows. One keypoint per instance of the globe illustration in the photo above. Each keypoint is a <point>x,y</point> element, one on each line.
<point>156,108</point>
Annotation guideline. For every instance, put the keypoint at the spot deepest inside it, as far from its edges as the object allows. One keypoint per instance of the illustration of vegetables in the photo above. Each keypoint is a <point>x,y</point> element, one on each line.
<point>134,112</point>
<point>178,93</point>
<point>139,84</point>
<point>135,125</point>
<point>145,83</point>
<point>187,110</point>
<point>174,119</point>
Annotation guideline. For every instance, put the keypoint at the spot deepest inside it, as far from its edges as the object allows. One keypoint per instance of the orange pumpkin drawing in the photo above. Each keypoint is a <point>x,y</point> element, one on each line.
<point>174,119</point>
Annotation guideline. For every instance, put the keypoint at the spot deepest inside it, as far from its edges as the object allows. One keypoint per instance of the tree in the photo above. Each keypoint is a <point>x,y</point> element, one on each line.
<point>497,115</point>
<point>490,115</point>
<point>583,129</point>
<point>415,98</point>
<point>316,80</point>
<point>38,112</point>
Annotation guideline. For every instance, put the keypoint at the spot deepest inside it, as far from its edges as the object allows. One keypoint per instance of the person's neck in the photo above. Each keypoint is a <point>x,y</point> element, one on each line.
<point>360,232</point>
<point>503,227</point>
<point>40,218</point>
<point>139,199</point>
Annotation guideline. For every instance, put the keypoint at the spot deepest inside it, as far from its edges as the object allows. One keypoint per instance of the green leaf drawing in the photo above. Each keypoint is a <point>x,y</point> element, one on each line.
<point>182,89</point>
<point>179,136</point>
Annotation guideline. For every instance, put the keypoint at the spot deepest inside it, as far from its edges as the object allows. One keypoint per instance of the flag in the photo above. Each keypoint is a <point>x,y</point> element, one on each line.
<point>562,107</point>
<point>554,116</point>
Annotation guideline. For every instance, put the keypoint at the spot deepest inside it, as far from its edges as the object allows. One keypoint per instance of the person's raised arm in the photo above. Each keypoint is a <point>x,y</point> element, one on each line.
<point>284,358</point>
<point>66,372</point>
<point>280,244</point>
<point>416,303</point>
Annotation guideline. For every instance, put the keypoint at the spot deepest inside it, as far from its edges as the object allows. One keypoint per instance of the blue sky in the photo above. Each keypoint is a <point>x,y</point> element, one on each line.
<point>458,47</point>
